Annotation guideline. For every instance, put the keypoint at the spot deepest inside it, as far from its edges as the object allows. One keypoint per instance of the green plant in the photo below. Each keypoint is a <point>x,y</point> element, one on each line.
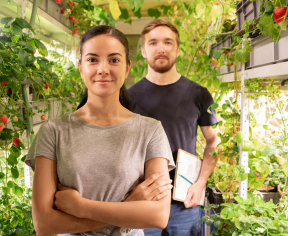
<point>22,61</point>
<point>251,216</point>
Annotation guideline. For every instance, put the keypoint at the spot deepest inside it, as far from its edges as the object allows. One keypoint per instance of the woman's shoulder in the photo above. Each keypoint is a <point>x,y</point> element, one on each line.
<point>54,123</point>
<point>148,122</point>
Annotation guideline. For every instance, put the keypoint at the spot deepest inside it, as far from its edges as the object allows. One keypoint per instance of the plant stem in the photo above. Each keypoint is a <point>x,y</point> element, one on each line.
<point>190,62</point>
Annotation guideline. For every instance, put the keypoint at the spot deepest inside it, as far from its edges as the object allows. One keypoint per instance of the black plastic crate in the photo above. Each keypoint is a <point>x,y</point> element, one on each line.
<point>215,197</point>
<point>247,10</point>
<point>275,196</point>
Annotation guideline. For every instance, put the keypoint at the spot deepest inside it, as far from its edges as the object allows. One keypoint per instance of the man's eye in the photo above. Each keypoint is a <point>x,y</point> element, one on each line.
<point>168,42</point>
<point>114,60</point>
<point>152,43</point>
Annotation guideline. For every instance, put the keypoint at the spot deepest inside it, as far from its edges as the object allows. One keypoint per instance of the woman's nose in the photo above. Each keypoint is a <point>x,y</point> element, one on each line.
<point>103,69</point>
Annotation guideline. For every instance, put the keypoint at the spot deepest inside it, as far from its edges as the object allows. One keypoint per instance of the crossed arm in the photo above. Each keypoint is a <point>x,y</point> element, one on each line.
<point>75,214</point>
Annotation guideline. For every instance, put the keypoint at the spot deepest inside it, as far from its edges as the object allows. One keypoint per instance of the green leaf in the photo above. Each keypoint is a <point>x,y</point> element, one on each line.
<point>14,221</point>
<point>154,13</point>
<point>222,186</point>
<point>269,8</point>
<point>23,23</point>
<point>130,3</point>
<point>5,134</point>
<point>15,38</point>
<point>138,4</point>
<point>69,65</point>
<point>217,54</point>
<point>266,24</point>
<point>41,48</point>
<point>5,20</point>
<point>266,159</point>
<point>257,145</point>
<point>10,184</point>
<point>44,65</point>
<point>165,9</point>
<point>14,172</point>
<point>268,127</point>
<point>22,56</point>
<point>227,213</point>
<point>1,59</point>
<point>16,29</point>
<point>267,151</point>
<point>285,168</point>
<point>240,137</point>
<point>208,220</point>
<point>242,56</point>
<point>138,13</point>
<point>4,54</point>
<point>200,9</point>
<point>214,106</point>
<point>27,214</point>
<point>124,14</point>
<point>17,190</point>
<point>139,56</point>
<point>247,146</point>
<point>2,175</point>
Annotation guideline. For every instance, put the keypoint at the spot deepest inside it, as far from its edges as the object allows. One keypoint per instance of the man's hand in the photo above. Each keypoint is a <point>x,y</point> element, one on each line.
<point>67,200</point>
<point>152,189</point>
<point>194,195</point>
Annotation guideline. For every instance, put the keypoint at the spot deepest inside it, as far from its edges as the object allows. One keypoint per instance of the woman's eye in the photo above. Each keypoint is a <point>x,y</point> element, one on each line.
<point>114,60</point>
<point>92,60</point>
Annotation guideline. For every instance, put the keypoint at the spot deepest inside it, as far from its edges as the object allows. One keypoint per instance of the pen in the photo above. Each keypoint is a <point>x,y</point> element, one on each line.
<point>186,179</point>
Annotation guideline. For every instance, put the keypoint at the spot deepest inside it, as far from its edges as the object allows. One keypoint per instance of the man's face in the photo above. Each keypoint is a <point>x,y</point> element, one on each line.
<point>160,49</point>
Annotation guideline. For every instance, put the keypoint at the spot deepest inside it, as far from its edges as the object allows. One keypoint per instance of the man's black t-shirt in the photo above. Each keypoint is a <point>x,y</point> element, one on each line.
<point>180,107</point>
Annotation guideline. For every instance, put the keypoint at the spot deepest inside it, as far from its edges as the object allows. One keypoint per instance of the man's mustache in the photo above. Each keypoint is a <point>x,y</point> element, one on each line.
<point>161,57</point>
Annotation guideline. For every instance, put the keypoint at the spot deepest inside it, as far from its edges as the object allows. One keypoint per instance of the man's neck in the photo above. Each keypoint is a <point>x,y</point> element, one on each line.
<point>168,77</point>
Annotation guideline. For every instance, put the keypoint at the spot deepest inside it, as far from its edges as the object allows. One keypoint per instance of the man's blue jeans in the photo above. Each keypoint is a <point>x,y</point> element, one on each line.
<point>182,222</point>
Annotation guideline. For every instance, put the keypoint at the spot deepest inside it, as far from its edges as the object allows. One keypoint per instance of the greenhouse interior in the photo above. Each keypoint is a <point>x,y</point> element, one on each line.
<point>213,72</point>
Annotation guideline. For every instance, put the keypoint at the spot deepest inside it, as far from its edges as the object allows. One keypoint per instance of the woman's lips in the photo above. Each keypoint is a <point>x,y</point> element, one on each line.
<point>103,82</point>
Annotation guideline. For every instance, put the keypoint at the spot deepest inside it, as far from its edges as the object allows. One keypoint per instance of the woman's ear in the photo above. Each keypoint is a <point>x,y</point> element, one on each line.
<point>79,67</point>
<point>128,68</point>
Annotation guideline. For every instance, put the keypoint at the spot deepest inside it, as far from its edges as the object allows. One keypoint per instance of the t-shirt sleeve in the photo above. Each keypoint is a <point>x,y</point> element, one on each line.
<point>43,145</point>
<point>159,147</point>
<point>205,118</point>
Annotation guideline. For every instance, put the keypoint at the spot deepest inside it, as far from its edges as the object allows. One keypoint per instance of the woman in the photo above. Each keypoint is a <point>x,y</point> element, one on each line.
<point>100,153</point>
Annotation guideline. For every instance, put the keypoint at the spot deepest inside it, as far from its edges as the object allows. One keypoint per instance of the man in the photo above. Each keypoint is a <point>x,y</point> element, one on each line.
<point>181,105</point>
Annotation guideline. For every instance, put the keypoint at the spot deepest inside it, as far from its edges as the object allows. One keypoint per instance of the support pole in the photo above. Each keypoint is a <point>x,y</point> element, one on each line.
<point>34,12</point>
<point>244,127</point>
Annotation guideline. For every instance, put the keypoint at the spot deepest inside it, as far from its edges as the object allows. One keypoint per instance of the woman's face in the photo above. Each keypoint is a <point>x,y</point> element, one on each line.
<point>103,65</point>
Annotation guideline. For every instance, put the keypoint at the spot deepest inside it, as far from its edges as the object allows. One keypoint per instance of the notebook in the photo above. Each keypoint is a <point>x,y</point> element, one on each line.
<point>189,166</point>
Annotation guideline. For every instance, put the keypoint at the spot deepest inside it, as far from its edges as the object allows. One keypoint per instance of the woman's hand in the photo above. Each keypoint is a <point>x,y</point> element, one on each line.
<point>152,189</point>
<point>67,200</point>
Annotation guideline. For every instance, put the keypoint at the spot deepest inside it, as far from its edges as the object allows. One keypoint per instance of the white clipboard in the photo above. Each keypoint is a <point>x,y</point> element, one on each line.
<point>189,166</point>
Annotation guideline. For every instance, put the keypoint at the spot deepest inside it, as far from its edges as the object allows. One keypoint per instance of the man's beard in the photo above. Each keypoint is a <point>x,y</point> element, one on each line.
<point>161,68</point>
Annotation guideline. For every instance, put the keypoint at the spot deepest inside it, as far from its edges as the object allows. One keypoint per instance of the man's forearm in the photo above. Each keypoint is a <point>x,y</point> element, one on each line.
<point>208,164</point>
<point>57,222</point>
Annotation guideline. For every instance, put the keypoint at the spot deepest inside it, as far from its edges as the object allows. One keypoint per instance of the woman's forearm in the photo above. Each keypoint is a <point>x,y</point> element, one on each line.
<point>57,222</point>
<point>137,214</point>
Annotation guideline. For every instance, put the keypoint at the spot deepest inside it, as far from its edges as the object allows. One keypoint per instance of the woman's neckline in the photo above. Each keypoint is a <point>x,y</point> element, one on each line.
<point>104,127</point>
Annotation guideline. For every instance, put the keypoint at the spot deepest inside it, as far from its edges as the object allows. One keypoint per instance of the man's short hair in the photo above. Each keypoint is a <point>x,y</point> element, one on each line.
<point>156,23</point>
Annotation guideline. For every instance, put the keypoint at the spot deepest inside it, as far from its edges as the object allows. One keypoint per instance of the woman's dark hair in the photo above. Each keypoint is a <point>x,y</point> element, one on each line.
<point>107,30</point>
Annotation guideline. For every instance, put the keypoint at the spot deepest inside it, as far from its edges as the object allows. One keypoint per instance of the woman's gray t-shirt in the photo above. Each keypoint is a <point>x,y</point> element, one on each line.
<point>103,163</point>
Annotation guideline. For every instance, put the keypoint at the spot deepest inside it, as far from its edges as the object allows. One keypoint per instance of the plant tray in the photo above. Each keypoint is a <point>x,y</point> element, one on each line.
<point>275,196</point>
